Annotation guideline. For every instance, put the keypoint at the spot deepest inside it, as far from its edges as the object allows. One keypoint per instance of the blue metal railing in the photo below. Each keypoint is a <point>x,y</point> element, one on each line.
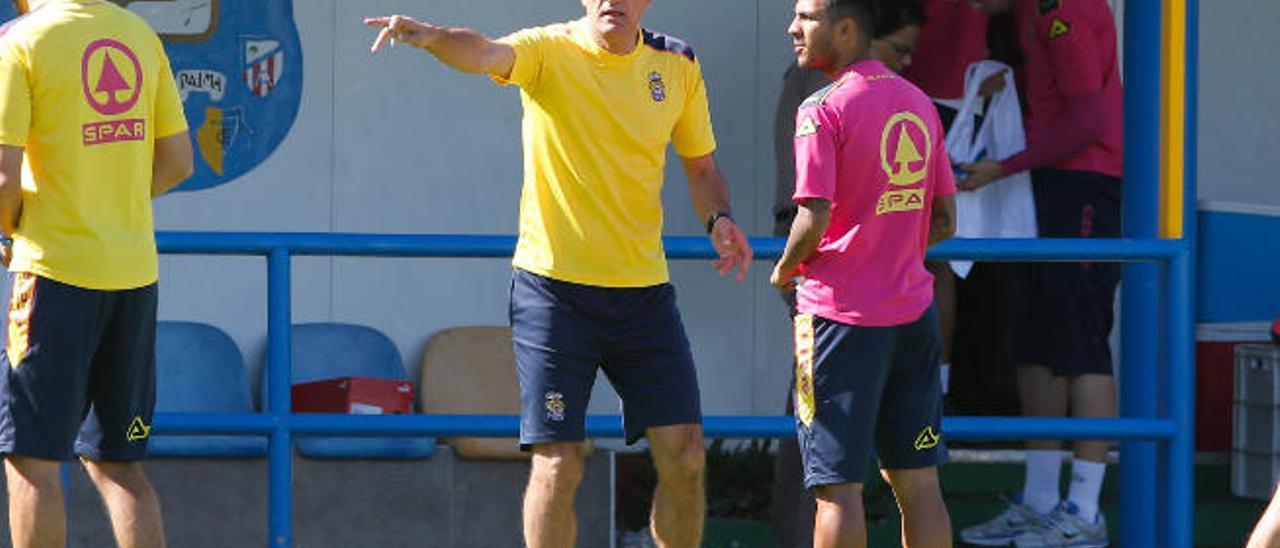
<point>1139,353</point>
<point>281,425</point>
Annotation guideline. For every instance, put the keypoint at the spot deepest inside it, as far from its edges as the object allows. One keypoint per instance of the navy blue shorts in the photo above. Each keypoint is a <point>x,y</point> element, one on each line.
<point>856,385</point>
<point>1061,313</point>
<point>80,371</point>
<point>564,332</point>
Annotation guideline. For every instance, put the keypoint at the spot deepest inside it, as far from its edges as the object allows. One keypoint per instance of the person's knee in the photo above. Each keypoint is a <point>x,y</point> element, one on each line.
<point>844,496</point>
<point>129,476</point>
<point>682,457</point>
<point>558,464</point>
<point>38,474</point>
<point>911,485</point>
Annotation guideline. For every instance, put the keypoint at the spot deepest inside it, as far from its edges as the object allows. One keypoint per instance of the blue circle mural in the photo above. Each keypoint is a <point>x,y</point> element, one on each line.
<point>238,66</point>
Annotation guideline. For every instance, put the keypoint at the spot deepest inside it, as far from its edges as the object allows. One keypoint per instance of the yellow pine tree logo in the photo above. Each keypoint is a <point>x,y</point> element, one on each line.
<point>906,153</point>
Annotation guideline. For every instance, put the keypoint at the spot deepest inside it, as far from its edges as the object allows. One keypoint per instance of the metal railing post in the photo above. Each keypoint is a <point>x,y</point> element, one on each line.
<point>279,368</point>
<point>1182,402</point>
<point>1139,397</point>
<point>1182,297</point>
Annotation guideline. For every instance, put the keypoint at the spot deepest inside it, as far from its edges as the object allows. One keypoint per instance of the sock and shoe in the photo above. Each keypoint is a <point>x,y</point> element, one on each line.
<point>1040,489</point>
<point>1038,518</point>
<point>1076,521</point>
<point>1009,525</point>
<point>1086,485</point>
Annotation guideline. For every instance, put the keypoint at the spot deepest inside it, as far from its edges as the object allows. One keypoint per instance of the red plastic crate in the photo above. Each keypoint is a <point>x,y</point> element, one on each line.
<point>354,395</point>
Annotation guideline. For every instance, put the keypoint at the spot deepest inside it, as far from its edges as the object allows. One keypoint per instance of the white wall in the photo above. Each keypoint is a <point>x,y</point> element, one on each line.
<point>399,144</point>
<point>1239,110</point>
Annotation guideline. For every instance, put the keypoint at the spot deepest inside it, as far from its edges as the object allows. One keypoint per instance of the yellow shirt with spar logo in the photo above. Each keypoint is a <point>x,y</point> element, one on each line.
<point>86,89</point>
<point>596,128</point>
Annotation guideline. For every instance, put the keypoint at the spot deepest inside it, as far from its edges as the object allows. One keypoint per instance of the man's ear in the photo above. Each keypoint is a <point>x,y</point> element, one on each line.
<point>847,30</point>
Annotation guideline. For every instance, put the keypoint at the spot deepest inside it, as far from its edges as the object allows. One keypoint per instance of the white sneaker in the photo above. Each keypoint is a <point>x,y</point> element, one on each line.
<point>1014,521</point>
<point>1065,527</point>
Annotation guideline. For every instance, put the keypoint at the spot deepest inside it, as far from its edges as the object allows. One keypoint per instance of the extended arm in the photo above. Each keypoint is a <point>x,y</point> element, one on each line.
<point>812,219</point>
<point>942,223</point>
<point>709,194</point>
<point>1082,125</point>
<point>463,49</point>
<point>172,164</point>
<point>10,188</point>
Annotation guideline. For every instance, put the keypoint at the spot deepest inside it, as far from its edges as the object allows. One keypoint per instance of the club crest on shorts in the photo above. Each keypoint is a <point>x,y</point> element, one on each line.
<point>657,89</point>
<point>555,406</point>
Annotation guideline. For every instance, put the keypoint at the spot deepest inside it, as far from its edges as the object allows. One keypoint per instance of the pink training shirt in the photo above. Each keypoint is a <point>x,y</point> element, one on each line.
<point>872,145</point>
<point>1070,48</point>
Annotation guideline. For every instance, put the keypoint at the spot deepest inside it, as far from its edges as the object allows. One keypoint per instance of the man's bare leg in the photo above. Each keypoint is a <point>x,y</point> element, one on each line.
<point>679,503</point>
<point>925,522</point>
<point>1042,395</point>
<point>548,501</point>
<point>131,503</point>
<point>1093,396</point>
<point>840,522</point>
<point>36,515</point>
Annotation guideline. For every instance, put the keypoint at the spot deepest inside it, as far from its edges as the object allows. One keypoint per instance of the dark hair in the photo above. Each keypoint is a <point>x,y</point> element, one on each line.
<point>863,13</point>
<point>894,15</point>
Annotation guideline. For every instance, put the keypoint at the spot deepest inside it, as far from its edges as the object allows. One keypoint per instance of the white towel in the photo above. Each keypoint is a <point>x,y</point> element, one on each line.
<point>1004,208</point>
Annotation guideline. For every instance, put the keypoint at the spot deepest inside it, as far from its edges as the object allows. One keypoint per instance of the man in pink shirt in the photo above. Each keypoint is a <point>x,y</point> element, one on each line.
<point>1060,325</point>
<point>874,189</point>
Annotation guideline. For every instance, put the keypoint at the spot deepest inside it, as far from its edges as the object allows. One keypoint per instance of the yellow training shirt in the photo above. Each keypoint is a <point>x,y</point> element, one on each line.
<point>596,128</point>
<point>86,89</point>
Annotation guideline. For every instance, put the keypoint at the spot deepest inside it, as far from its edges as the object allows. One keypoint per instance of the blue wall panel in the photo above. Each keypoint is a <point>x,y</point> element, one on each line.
<point>1239,267</point>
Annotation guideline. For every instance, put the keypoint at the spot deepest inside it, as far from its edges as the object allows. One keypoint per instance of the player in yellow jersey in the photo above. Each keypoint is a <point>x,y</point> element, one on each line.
<point>602,99</point>
<point>88,98</point>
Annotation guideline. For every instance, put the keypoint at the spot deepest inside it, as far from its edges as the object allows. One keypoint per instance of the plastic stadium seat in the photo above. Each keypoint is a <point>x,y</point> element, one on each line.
<point>472,371</point>
<point>199,369</point>
<point>329,350</point>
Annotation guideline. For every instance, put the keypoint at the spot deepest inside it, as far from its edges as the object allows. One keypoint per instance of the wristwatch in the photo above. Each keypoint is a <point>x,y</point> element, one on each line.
<point>711,221</point>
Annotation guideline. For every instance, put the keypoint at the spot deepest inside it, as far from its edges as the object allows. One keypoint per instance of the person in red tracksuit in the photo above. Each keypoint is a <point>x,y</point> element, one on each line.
<point>1059,334</point>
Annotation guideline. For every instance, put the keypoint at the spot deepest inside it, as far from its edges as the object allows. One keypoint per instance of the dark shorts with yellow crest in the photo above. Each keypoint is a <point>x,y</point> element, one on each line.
<point>79,371</point>
<point>565,332</point>
<point>856,385</point>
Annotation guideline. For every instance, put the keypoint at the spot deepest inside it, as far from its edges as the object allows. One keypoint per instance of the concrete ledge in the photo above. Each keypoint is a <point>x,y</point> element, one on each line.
<point>440,502</point>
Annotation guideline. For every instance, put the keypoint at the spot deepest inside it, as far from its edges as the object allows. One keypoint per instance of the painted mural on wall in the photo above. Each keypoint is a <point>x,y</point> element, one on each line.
<point>238,65</point>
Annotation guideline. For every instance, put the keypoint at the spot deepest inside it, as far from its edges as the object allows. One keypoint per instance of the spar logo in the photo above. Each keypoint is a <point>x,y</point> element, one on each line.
<point>912,148</point>
<point>111,79</point>
<point>239,70</point>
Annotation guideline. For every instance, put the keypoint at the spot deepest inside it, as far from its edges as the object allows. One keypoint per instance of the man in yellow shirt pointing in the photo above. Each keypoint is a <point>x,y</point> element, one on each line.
<point>91,129</point>
<point>602,99</point>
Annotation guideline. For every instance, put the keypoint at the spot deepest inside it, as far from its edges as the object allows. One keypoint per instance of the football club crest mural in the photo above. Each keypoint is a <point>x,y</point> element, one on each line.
<point>238,65</point>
